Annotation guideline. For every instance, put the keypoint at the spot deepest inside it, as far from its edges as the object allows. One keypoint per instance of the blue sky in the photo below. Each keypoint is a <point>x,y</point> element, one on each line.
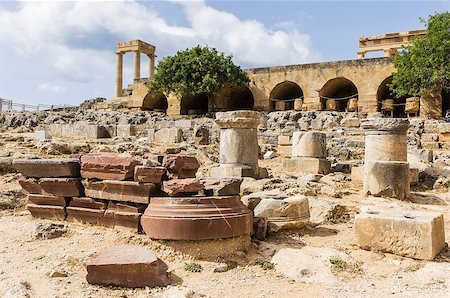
<point>63,52</point>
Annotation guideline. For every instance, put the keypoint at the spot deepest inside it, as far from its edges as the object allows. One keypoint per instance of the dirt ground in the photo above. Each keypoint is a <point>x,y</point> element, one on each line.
<point>26,263</point>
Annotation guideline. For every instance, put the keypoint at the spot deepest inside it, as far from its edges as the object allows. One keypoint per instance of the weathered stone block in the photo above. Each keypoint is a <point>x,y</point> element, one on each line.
<point>284,150</point>
<point>444,127</point>
<point>148,174</point>
<point>357,176</point>
<point>184,123</point>
<point>151,135</point>
<point>127,130</point>
<point>86,130</point>
<point>419,235</point>
<point>221,187</point>
<point>55,130</point>
<point>429,145</point>
<point>238,171</point>
<point>182,186</point>
<point>64,187</point>
<point>125,191</point>
<point>201,135</point>
<point>179,167</point>
<point>387,179</point>
<point>89,203</point>
<point>284,141</point>
<point>47,211</point>
<point>50,168</point>
<point>85,215</point>
<point>309,144</point>
<point>444,137</point>
<point>42,135</point>
<point>127,266</point>
<point>429,137</point>
<point>168,135</point>
<point>31,186</point>
<point>47,200</point>
<point>307,165</point>
<point>431,126</point>
<point>107,166</point>
<point>289,213</point>
<point>350,122</point>
<point>413,176</point>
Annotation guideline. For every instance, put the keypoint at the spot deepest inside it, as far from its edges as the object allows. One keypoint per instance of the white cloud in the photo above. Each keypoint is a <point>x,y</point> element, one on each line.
<point>72,43</point>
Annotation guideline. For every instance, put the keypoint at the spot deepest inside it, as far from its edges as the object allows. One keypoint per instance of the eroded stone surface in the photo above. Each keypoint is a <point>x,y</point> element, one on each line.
<point>127,266</point>
<point>149,174</point>
<point>31,186</point>
<point>221,187</point>
<point>50,168</point>
<point>309,144</point>
<point>179,167</point>
<point>419,235</point>
<point>182,186</point>
<point>47,200</point>
<point>125,191</point>
<point>107,166</point>
<point>64,187</point>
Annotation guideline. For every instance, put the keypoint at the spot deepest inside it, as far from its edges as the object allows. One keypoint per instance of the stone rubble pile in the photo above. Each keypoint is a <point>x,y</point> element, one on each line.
<point>160,195</point>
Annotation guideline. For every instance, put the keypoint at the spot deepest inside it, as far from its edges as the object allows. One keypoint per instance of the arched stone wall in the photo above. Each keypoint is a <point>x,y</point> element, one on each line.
<point>282,96</point>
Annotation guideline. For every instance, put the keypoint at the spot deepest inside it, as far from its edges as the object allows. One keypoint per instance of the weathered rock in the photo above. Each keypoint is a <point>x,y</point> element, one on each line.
<point>48,200</point>
<point>127,266</point>
<point>260,228</point>
<point>47,211</point>
<point>90,203</point>
<point>221,187</point>
<point>50,168</point>
<point>387,179</point>
<point>180,167</point>
<point>289,213</point>
<point>31,186</point>
<point>307,165</point>
<point>125,191</point>
<point>168,136</point>
<point>64,187</point>
<point>309,144</point>
<point>201,135</point>
<point>182,186</point>
<point>149,174</point>
<point>357,176</point>
<point>253,199</point>
<point>48,231</point>
<point>107,166</point>
<point>419,235</point>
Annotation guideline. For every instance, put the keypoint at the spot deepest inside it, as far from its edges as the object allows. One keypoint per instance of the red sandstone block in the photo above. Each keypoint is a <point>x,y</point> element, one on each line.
<point>128,221</point>
<point>48,200</point>
<point>64,187</point>
<point>47,212</point>
<point>146,174</point>
<point>84,215</point>
<point>40,168</point>
<point>182,186</point>
<point>122,207</point>
<point>88,203</point>
<point>124,191</point>
<point>107,166</point>
<point>179,167</point>
<point>158,159</point>
<point>31,186</point>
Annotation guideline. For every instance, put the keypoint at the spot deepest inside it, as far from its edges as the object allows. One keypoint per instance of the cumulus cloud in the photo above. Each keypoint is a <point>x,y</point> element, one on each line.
<point>72,43</point>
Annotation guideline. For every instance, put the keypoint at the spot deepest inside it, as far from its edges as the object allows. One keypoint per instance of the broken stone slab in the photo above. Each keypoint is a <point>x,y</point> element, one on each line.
<point>414,234</point>
<point>221,187</point>
<point>289,213</point>
<point>180,167</point>
<point>182,186</point>
<point>47,211</point>
<point>107,166</point>
<point>84,202</point>
<point>48,168</point>
<point>309,144</point>
<point>253,199</point>
<point>128,266</point>
<point>149,174</point>
<point>31,186</point>
<point>168,136</point>
<point>307,165</point>
<point>48,200</point>
<point>84,215</point>
<point>124,191</point>
<point>64,187</point>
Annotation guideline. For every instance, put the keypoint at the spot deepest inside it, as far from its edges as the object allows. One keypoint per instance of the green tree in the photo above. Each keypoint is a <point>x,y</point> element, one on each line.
<point>197,70</point>
<point>425,65</point>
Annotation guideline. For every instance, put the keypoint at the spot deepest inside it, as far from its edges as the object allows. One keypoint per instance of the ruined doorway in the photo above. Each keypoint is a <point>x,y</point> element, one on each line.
<point>336,93</point>
<point>283,95</point>
<point>384,94</point>
<point>155,102</point>
<point>241,98</point>
<point>445,101</point>
<point>194,104</point>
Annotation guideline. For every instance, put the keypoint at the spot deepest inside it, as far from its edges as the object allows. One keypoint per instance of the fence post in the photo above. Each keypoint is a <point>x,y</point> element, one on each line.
<point>10,105</point>
<point>1,104</point>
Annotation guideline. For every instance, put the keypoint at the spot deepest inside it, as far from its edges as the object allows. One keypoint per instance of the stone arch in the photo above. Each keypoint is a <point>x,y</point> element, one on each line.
<point>282,96</point>
<point>398,103</point>
<point>194,104</point>
<point>336,94</point>
<point>241,98</point>
<point>155,102</point>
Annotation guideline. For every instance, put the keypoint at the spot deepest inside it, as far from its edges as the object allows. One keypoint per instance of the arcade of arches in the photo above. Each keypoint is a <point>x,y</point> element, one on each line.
<point>283,95</point>
<point>336,93</point>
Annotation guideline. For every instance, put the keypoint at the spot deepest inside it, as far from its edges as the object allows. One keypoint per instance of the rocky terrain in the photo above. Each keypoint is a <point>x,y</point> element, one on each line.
<point>321,259</point>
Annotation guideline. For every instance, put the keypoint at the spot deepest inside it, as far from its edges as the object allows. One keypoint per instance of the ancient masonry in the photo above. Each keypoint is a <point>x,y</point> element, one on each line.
<point>115,191</point>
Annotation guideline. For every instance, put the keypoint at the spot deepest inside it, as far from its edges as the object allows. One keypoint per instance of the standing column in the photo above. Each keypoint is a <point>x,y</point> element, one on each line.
<point>1,104</point>
<point>119,75</point>
<point>386,170</point>
<point>137,65</point>
<point>238,145</point>
<point>151,66</point>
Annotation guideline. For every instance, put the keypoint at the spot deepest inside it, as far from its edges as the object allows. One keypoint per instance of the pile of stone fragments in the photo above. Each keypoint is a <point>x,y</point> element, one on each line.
<point>159,194</point>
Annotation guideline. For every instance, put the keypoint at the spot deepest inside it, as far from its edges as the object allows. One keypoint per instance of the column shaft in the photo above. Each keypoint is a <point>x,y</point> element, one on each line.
<point>119,67</point>
<point>151,67</point>
<point>137,65</point>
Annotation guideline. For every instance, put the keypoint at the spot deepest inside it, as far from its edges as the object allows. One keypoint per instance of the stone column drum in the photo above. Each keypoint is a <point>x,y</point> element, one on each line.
<point>238,145</point>
<point>386,170</point>
<point>309,152</point>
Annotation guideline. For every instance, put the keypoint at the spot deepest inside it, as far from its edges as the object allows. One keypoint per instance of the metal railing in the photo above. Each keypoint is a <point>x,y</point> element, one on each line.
<point>8,105</point>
